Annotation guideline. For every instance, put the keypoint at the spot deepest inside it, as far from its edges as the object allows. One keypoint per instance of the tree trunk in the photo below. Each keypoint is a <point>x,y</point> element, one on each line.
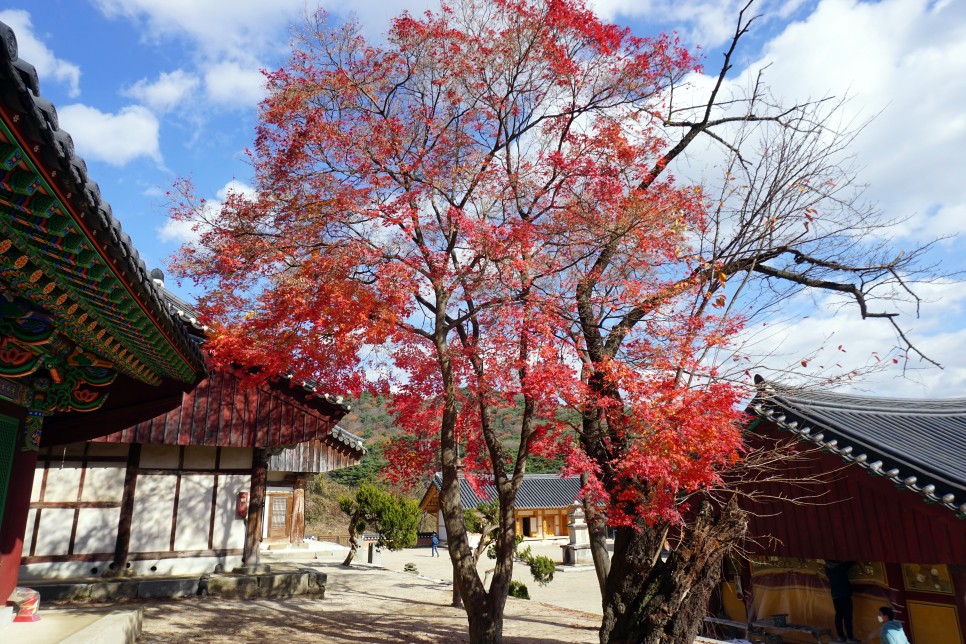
<point>597,535</point>
<point>457,597</point>
<point>647,601</point>
<point>486,621</point>
<point>353,541</point>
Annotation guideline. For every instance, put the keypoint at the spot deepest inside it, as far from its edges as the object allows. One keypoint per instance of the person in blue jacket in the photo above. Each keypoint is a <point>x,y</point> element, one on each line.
<point>435,552</point>
<point>891,632</point>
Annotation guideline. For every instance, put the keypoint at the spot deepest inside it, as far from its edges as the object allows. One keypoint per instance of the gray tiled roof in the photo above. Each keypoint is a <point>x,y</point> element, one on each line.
<point>536,491</point>
<point>918,444</point>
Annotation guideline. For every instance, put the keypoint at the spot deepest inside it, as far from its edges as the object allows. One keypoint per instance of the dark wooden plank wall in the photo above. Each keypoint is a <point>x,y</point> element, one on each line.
<point>226,412</point>
<point>311,456</point>
<point>863,517</point>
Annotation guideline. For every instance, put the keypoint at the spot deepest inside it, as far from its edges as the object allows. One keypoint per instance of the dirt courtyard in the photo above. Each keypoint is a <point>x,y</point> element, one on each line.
<point>366,603</point>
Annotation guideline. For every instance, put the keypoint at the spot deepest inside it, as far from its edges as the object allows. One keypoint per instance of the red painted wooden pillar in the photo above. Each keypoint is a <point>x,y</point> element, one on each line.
<point>17,504</point>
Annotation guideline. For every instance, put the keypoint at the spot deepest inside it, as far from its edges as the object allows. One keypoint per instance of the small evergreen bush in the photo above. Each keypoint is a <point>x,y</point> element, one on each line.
<point>519,590</point>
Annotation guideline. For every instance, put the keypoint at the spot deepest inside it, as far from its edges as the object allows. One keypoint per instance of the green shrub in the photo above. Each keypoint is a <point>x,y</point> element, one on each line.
<point>519,590</point>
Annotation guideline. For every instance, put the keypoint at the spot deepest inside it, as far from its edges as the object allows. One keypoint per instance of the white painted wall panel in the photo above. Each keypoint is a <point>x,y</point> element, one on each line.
<point>38,481</point>
<point>236,458</point>
<point>153,512</point>
<point>199,458</point>
<point>96,530</point>
<point>229,529</point>
<point>54,534</point>
<point>194,512</point>
<point>62,482</point>
<point>104,483</point>
<point>160,456</point>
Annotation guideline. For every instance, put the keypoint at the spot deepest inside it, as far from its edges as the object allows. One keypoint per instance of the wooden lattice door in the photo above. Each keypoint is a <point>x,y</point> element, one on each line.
<point>279,515</point>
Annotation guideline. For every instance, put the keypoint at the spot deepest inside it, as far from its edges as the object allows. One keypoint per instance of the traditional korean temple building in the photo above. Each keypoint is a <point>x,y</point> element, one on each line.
<point>543,502</point>
<point>87,345</point>
<point>119,453</point>
<point>893,500</point>
<point>199,488</point>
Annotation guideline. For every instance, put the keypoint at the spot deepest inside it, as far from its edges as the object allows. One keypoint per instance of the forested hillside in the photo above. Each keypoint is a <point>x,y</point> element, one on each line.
<point>372,421</point>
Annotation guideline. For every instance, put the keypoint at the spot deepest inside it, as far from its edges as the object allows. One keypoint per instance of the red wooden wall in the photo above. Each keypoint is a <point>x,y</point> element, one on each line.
<point>225,411</point>
<point>862,517</point>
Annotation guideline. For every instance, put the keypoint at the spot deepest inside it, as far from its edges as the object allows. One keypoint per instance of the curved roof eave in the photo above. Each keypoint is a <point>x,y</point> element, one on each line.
<point>62,236</point>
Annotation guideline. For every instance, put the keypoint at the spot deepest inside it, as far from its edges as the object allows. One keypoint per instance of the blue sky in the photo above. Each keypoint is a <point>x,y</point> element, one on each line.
<point>152,90</point>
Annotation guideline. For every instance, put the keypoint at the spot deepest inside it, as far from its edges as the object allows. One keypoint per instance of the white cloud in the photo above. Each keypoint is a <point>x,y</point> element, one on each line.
<point>166,93</point>
<point>183,232</point>
<point>833,340</point>
<point>232,85</point>
<point>904,63</point>
<point>113,138</point>
<point>37,54</point>
<point>230,40</point>
<point>238,28</point>
<point>708,23</point>
<point>246,30</point>
<point>904,60</point>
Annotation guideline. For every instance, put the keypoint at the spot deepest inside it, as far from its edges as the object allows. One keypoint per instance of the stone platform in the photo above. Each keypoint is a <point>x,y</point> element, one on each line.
<point>77,626</point>
<point>267,581</point>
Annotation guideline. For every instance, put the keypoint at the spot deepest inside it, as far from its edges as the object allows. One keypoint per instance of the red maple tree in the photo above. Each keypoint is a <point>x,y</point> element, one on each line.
<point>481,212</point>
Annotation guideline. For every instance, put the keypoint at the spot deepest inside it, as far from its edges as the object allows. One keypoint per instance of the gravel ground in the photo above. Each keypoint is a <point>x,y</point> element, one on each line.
<point>381,604</point>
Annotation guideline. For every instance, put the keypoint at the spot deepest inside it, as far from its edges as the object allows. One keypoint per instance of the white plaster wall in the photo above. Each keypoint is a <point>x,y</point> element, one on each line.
<point>54,533</point>
<point>60,570</point>
<point>62,482</point>
<point>160,456</point>
<point>229,529</point>
<point>153,512</point>
<point>440,526</point>
<point>161,567</point>
<point>104,482</point>
<point>38,481</point>
<point>236,458</point>
<point>194,512</point>
<point>96,530</point>
<point>199,458</point>
<point>184,566</point>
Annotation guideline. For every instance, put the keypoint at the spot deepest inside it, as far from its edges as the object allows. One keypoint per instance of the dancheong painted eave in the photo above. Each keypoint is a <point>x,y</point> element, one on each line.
<point>62,249</point>
<point>920,445</point>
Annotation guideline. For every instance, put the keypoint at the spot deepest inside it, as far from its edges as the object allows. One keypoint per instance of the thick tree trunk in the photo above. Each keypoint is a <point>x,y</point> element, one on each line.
<point>484,608</point>
<point>597,535</point>
<point>647,601</point>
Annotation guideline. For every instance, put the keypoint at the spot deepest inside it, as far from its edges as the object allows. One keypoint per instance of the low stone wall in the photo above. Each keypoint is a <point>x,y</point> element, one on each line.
<point>263,582</point>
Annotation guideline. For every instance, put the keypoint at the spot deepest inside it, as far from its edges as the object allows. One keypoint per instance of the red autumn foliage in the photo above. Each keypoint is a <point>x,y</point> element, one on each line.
<point>411,189</point>
<point>430,211</point>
